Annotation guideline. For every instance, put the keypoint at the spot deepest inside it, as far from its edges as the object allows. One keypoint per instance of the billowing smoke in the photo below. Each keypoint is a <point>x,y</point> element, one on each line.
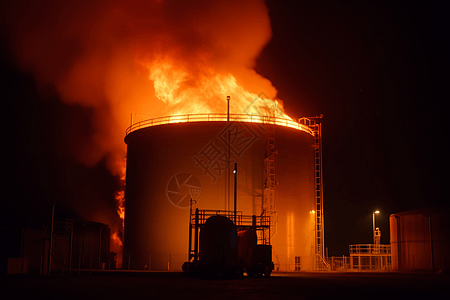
<point>99,53</point>
<point>145,57</point>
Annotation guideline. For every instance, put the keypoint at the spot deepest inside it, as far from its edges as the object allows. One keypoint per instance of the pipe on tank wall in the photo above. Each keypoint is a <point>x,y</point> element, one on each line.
<point>399,258</point>
<point>227,178</point>
<point>196,236</point>
<point>50,246</point>
<point>431,242</point>
<point>235,192</point>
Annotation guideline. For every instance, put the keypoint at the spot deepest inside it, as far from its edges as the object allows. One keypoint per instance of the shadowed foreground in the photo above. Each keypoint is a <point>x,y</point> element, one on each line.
<point>281,285</point>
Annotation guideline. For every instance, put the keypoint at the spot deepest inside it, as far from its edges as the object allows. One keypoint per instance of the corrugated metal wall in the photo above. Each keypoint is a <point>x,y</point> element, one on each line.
<point>420,240</point>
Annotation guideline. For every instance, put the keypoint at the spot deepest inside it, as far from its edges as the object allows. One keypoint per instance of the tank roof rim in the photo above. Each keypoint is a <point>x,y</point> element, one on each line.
<point>200,118</point>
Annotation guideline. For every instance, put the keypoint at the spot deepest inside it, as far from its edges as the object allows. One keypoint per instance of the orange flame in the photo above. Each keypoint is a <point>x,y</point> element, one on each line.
<point>120,195</point>
<point>194,54</point>
<point>117,233</point>
<point>117,247</point>
<point>116,239</point>
<point>186,91</point>
<point>120,202</point>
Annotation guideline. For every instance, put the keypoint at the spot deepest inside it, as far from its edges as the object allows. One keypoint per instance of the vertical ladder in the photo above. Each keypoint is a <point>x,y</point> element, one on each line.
<point>318,194</point>
<point>315,125</point>
<point>268,208</point>
<point>270,169</point>
<point>318,189</point>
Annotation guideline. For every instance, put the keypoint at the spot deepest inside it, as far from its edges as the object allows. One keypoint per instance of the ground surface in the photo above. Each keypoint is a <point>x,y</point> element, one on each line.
<point>279,286</point>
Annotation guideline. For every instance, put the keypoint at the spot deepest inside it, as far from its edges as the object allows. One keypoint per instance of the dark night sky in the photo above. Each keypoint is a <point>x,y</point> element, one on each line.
<point>377,71</point>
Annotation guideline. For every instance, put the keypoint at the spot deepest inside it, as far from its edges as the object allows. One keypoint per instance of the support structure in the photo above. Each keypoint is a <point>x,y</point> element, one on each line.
<point>235,192</point>
<point>195,193</point>
<point>270,184</point>
<point>50,242</point>
<point>227,178</point>
<point>314,123</point>
<point>199,217</point>
<point>370,257</point>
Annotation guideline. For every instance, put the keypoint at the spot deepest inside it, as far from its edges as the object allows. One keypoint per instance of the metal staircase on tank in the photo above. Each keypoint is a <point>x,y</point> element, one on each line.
<point>270,186</point>
<point>268,208</point>
<point>314,123</point>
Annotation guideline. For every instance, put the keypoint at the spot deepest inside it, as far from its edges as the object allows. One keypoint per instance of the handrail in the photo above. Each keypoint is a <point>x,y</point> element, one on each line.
<point>323,260</point>
<point>370,248</point>
<point>241,220</point>
<point>217,118</point>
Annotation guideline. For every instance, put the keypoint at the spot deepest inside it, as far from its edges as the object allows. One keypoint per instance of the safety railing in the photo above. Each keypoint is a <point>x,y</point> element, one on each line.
<point>241,220</point>
<point>370,249</point>
<point>217,118</point>
<point>361,263</point>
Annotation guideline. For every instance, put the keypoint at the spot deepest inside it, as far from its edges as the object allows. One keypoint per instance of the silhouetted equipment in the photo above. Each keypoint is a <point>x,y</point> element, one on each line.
<point>227,249</point>
<point>76,244</point>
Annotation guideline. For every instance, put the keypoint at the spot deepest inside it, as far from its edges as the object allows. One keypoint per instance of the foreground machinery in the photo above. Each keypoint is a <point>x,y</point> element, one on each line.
<point>228,248</point>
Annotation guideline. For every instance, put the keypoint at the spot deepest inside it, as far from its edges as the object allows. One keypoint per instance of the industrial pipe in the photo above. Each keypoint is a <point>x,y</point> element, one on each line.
<point>235,192</point>
<point>196,236</point>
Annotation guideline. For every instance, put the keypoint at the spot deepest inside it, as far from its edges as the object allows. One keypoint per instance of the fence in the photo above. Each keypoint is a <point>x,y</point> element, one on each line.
<point>157,262</point>
<point>370,249</point>
<point>360,263</point>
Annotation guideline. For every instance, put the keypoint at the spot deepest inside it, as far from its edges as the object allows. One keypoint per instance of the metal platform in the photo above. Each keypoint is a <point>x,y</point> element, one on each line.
<point>198,219</point>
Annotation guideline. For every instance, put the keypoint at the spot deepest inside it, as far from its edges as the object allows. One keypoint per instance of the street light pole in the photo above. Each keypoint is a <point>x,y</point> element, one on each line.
<point>373,219</point>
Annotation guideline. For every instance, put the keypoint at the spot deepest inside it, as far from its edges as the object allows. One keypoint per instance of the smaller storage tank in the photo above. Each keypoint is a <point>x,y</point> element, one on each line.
<point>246,240</point>
<point>420,240</point>
<point>218,246</point>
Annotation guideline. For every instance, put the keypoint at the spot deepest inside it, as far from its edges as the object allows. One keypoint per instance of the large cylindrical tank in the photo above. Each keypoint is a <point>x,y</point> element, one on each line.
<point>420,240</point>
<point>169,164</point>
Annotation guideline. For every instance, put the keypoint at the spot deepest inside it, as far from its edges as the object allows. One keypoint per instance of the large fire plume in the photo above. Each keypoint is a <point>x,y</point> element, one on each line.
<point>152,58</point>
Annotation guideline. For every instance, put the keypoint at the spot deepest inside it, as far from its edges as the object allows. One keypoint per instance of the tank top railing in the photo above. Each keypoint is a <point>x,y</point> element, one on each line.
<point>260,119</point>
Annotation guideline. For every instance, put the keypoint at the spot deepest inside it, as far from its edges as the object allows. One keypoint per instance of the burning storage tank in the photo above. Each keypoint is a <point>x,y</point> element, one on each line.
<point>172,160</point>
